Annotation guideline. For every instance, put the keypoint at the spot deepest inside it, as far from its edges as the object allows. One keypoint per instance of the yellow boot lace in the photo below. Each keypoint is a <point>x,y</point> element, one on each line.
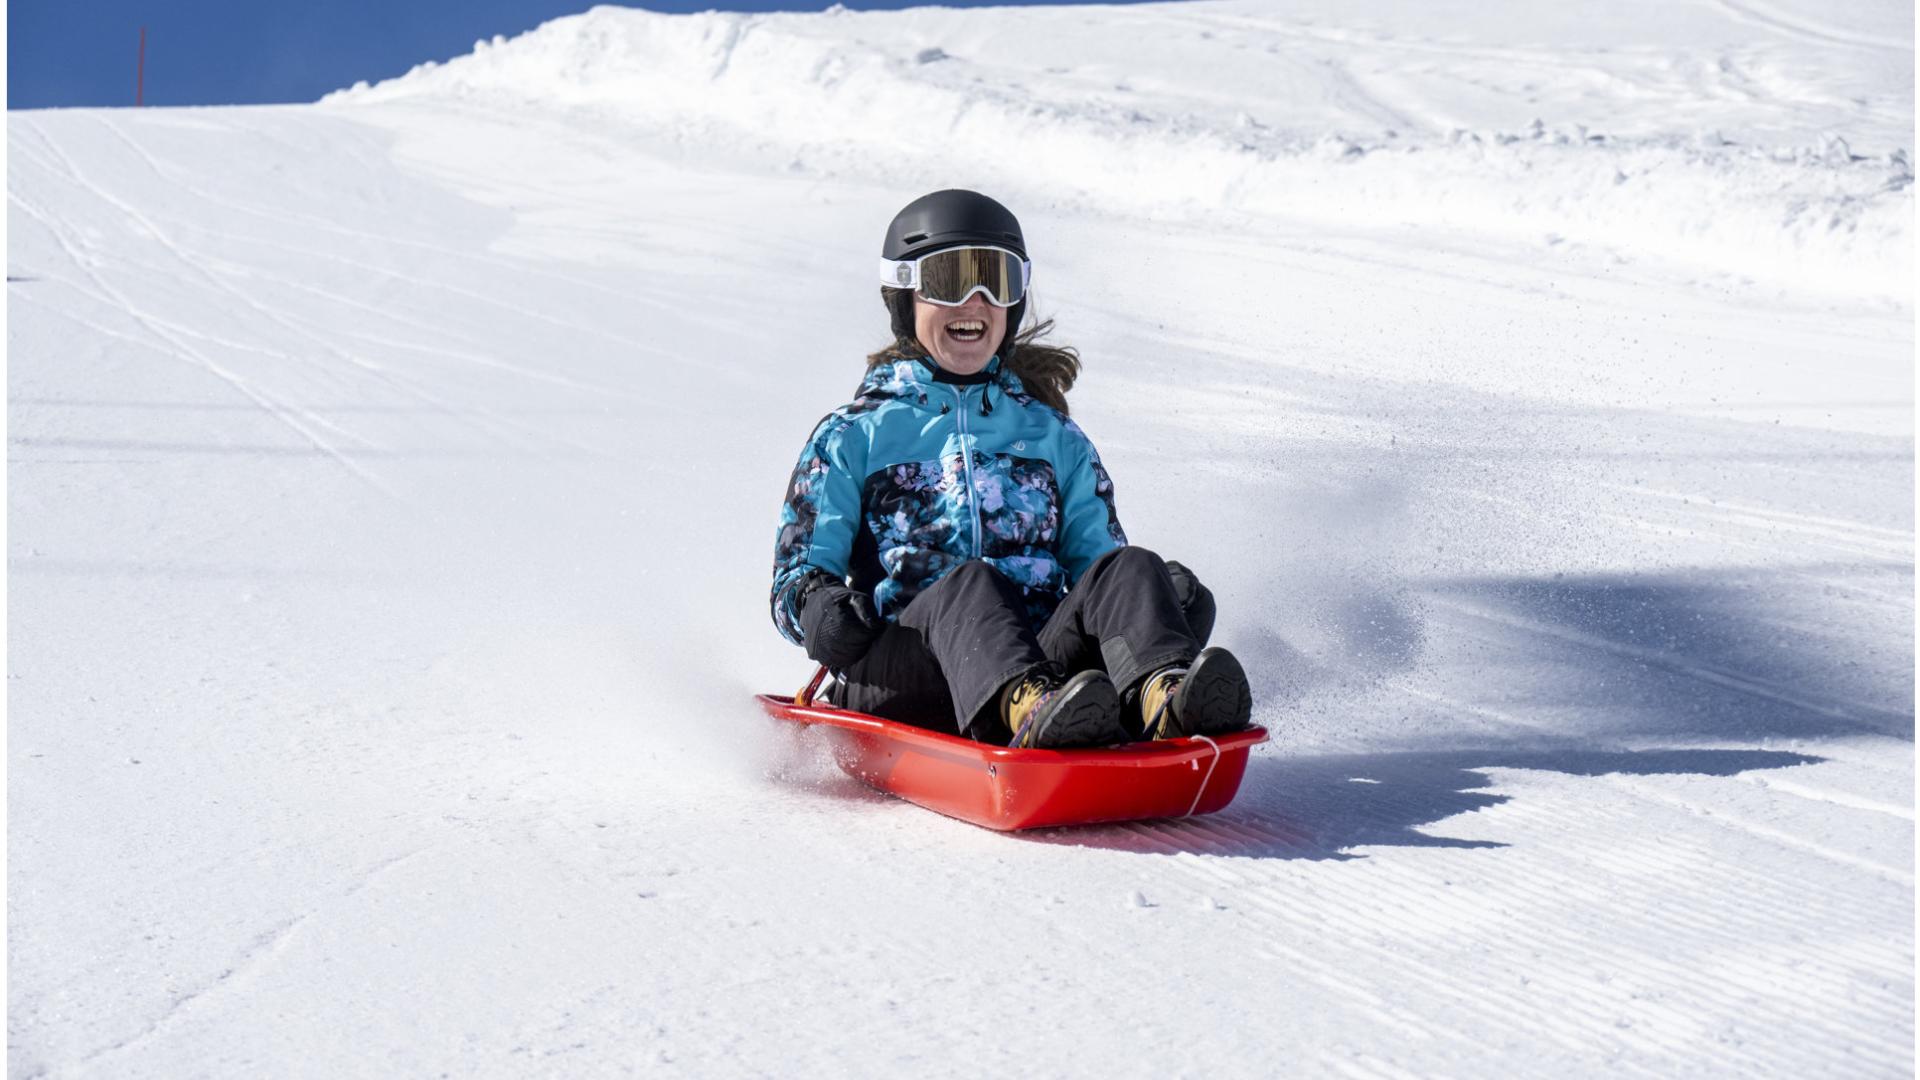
<point>1023,700</point>
<point>1156,703</point>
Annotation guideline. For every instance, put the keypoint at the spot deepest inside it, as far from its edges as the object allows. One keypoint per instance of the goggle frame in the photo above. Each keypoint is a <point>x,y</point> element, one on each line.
<point>905,274</point>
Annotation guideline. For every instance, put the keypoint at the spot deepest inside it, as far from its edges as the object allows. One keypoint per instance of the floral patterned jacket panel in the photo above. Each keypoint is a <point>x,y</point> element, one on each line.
<point>916,476</point>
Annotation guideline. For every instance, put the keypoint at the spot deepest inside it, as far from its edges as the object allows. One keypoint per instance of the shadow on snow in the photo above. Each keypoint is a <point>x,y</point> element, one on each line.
<point>1324,807</point>
<point>1575,675</point>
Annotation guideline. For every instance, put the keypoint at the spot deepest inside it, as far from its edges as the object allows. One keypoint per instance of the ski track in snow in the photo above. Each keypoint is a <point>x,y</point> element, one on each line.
<point>301,421</point>
<point>260,950</point>
<point>1802,29</point>
<point>393,480</point>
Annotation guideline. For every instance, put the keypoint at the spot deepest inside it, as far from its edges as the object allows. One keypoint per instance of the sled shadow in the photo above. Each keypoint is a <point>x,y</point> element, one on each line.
<point>1730,654</point>
<point>1325,807</point>
<point>1553,674</point>
<point>1806,651</point>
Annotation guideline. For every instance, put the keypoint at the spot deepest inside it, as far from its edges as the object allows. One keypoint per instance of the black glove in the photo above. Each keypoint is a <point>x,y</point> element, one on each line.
<point>1196,601</point>
<point>838,624</point>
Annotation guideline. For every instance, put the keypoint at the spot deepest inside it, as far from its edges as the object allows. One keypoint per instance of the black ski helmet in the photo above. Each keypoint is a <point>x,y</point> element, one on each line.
<point>945,219</point>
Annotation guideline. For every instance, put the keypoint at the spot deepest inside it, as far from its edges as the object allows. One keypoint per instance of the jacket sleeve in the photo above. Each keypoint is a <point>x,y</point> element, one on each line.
<point>818,521</point>
<point>1089,524</point>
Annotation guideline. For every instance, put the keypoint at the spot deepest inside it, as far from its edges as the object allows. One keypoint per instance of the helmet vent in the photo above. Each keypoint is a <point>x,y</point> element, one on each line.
<point>916,238</point>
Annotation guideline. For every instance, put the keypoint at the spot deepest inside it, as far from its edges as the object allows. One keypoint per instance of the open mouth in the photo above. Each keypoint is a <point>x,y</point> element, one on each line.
<point>967,330</point>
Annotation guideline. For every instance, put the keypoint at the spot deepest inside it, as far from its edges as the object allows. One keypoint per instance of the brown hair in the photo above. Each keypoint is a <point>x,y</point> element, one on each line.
<point>1047,371</point>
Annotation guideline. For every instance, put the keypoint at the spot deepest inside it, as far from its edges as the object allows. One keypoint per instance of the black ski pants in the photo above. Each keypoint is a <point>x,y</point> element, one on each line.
<point>942,664</point>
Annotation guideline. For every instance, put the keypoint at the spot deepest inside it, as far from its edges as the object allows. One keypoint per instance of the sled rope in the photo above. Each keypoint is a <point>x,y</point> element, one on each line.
<point>1211,762</point>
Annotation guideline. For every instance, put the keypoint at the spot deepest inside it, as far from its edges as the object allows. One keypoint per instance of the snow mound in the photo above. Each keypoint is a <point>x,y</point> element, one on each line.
<point>1728,158</point>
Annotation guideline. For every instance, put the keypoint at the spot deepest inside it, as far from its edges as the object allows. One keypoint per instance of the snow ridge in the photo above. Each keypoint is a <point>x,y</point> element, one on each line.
<point>1321,128</point>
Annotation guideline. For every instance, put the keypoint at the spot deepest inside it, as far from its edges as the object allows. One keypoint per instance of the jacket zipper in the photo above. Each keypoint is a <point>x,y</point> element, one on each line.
<point>966,459</point>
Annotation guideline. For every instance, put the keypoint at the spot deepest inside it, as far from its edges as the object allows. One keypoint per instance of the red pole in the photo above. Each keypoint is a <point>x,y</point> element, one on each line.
<point>140,77</point>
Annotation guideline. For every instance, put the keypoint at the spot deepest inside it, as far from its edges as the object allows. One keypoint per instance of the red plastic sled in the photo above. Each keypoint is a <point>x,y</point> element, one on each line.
<point>1008,789</point>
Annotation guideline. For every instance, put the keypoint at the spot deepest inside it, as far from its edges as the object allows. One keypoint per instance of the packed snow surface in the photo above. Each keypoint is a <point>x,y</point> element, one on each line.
<point>393,486</point>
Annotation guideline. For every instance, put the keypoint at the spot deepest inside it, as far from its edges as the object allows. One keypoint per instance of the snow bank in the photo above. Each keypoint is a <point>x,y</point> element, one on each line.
<point>1728,157</point>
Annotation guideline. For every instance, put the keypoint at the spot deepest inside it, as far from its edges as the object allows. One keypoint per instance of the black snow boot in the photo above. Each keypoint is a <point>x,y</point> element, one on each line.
<point>1046,713</point>
<point>1207,697</point>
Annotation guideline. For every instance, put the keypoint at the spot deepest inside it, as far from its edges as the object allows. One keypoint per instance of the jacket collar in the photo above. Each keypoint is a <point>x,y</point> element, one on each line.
<point>913,379</point>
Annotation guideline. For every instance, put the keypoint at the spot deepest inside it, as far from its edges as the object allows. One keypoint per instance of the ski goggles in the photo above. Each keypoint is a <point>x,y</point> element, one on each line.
<point>950,277</point>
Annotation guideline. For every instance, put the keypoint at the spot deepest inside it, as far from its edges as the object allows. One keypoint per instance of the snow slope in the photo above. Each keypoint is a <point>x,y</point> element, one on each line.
<point>393,484</point>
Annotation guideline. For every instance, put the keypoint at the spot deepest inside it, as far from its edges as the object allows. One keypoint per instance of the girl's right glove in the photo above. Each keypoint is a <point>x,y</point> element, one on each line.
<point>838,624</point>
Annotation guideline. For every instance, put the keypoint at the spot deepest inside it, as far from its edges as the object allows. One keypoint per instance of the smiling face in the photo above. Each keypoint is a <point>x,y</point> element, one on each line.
<point>961,339</point>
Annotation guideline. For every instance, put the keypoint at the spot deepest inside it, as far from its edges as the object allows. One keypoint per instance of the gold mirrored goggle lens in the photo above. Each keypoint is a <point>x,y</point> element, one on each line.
<point>949,277</point>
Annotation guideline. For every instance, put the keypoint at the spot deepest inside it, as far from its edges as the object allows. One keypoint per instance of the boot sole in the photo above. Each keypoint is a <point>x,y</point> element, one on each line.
<point>1084,712</point>
<point>1215,697</point>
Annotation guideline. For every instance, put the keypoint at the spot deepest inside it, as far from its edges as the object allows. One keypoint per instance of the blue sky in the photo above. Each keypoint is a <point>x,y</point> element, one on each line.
<point>227,52</point>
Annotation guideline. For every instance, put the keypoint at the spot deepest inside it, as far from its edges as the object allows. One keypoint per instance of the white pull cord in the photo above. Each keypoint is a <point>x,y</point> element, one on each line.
<point>1211,762</point>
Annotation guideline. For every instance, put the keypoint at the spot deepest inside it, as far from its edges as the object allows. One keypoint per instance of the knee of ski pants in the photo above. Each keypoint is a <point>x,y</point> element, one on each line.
<point>982,571</point>
<point>974,568</point>
<point>1196,600</point>
<point>1126,562</point>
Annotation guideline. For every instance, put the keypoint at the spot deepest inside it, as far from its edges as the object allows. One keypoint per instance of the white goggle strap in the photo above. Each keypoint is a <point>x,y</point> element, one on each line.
<point>900,275</point>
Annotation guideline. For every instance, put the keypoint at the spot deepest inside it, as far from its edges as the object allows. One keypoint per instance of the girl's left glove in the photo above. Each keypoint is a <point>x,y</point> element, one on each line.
<point>839,624</point>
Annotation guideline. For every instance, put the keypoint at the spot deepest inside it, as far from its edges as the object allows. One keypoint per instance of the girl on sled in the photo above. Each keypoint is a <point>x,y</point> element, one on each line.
<point>949,546</point>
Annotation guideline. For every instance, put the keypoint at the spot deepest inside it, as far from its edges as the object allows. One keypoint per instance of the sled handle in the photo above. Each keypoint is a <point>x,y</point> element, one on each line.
<point>805,697</point>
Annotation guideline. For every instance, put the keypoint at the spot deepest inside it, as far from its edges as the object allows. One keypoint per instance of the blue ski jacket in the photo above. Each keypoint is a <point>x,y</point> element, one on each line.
<point>921,473</point>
